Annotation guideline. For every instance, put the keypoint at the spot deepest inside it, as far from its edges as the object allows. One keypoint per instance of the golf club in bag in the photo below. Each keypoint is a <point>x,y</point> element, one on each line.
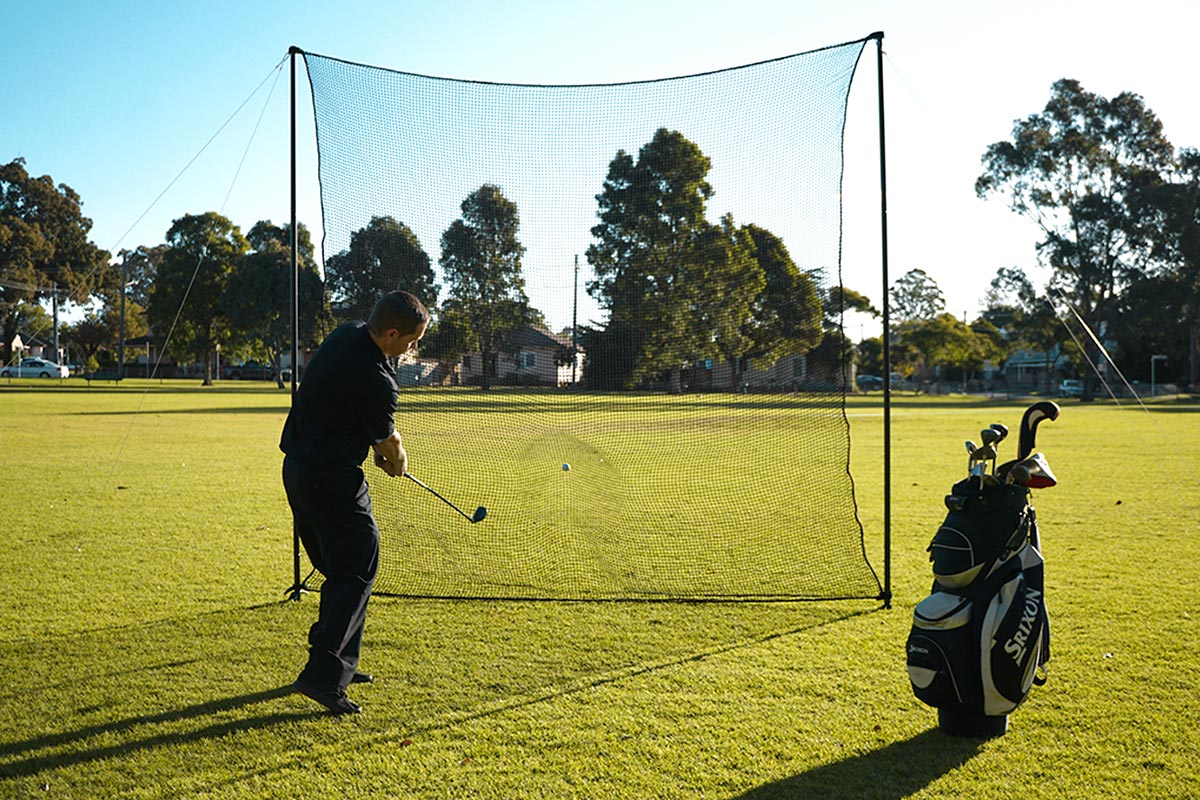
<point>981,640</point>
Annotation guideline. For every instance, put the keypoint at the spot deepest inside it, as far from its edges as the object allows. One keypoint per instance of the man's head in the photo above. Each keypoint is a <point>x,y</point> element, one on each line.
<point>398,322</point>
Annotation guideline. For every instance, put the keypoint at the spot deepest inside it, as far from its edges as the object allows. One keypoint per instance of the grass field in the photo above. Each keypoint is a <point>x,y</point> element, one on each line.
<point>146,649</point>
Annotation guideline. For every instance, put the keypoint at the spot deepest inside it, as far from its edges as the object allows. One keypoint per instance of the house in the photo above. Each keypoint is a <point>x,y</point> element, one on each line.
<point>788,372</point>
<point>532,356</point>
<point>1032,369</point>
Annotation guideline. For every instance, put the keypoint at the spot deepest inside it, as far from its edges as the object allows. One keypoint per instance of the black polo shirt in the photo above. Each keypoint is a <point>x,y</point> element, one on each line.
<point>345,404</point>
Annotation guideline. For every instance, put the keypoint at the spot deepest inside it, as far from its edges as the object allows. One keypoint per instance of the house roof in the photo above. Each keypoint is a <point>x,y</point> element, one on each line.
<point>533,336</point>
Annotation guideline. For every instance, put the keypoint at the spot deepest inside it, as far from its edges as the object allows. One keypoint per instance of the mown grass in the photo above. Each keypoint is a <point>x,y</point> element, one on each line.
<point>146,648</point>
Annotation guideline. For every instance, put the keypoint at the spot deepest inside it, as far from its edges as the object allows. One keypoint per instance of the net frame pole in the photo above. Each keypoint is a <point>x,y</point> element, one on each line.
<point>297,589</point>
<point>887,338</point>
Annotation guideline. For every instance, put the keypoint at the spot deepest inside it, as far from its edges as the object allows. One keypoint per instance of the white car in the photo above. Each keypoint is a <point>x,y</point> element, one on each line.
<point>1071,387</point>
<point>34,368</point>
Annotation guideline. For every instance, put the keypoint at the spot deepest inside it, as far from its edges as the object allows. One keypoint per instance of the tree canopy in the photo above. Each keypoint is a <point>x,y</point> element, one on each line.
<point>258,297</point>
<point>916,296</point>
<point>383,256</point>
<point>481,259</point>
<point>1079,170</point>
<point>43,244</point>
<point>188,299</point>
<point>676,286</point>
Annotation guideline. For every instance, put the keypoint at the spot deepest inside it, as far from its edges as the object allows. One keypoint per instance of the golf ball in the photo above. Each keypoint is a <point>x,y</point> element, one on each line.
<point>566,467</point>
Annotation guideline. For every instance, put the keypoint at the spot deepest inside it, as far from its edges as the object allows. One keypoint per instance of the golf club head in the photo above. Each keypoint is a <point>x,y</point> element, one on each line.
<point>479,514</point>
<point>1040,476</point>
<point>1019,474</point>
<point>1000,429</point>
<point>990,437</point>
<point>1029,422</point>
<point>971,448</point>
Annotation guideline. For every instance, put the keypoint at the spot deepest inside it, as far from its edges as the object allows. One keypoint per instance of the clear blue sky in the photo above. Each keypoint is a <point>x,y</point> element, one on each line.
<point>115,98</point>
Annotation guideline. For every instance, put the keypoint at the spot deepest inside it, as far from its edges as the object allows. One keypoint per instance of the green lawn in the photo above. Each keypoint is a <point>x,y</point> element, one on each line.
<point>146,648</point>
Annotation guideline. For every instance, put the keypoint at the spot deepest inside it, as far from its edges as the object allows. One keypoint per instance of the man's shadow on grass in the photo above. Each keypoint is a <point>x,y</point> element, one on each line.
<point>890,773</point>
<point>27,760</point>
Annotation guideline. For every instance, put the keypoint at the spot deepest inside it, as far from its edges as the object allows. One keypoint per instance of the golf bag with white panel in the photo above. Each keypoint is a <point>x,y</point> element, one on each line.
<point>981,640</point>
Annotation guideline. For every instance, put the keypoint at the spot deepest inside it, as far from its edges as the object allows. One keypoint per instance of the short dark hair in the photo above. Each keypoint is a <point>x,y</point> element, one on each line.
<point>399,310</point>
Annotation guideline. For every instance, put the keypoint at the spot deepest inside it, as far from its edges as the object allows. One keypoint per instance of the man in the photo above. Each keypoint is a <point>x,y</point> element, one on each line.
<point>345,405</point>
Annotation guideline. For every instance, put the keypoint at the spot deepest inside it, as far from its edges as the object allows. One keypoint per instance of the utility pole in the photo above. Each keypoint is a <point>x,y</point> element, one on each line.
<point>54,305</point>
<point>121,326</point>
<point>575,322</point>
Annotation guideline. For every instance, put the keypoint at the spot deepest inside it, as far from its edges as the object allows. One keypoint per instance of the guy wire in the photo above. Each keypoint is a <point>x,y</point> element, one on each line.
<point>199,261</point>
<point>1096,371</point>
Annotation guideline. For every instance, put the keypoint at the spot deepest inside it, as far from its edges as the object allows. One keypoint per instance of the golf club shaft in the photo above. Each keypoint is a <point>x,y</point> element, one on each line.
<point>411,477</point>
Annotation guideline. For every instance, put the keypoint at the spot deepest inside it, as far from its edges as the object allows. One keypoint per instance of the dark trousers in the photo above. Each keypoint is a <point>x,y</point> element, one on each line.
<point>332,512</point>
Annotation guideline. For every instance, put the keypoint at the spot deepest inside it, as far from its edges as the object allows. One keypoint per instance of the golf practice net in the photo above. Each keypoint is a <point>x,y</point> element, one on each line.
<point>636,361</point>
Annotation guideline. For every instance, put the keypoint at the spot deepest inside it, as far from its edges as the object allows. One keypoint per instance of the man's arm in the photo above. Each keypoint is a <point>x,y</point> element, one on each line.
<point>390,456</point>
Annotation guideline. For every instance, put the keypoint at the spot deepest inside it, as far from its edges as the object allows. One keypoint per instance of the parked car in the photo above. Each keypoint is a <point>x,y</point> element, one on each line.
<point>34,368</point>
<point>867,383</point>
<point>250,371</point>
<point>1071,387</point>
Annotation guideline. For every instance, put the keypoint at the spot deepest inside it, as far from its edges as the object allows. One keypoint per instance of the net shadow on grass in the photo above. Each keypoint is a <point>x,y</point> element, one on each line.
<point>597,679</point>
<point>889,773</point>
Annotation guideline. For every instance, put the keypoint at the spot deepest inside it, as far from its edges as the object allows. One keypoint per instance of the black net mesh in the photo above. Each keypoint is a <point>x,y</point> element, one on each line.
<point>636,361</point>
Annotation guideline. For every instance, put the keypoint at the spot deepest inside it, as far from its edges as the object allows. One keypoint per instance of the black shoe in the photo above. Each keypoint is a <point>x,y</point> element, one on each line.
<point>336,702</point>
<point>362,677</point>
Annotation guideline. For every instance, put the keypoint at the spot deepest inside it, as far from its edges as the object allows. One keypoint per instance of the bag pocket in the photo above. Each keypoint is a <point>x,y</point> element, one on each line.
<point>940,653</point>
<point>1015,630</point>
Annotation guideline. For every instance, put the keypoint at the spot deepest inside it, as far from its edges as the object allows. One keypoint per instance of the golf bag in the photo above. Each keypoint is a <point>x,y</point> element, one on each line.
<point>981,639</point>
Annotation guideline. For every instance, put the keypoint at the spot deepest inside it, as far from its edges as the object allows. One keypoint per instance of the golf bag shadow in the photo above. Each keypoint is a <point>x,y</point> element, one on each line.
<point>981,639</point>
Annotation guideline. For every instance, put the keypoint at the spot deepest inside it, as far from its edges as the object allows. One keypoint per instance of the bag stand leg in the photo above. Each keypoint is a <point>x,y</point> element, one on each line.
<point>971,726</point>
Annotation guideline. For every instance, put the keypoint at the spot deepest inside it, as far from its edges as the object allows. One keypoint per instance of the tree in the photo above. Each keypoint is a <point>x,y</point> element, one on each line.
<point>89,336</point>
<point>140,266</point>
<point>258,297</point>
<point>668,285</point>
<point>187,302</point>
<point>946,341</point>
<point>1175,206</point>
<point>1025,318</point>
<point>481,260</point>
<point>1078,170</point>
<point>43,244</point>
<point>785,318</point>
<point>734,287</point>
<point>916,296</point>
<point>384,256</point>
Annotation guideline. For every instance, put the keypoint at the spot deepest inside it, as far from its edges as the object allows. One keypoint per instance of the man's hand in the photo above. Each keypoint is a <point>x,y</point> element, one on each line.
<point>390,456</point>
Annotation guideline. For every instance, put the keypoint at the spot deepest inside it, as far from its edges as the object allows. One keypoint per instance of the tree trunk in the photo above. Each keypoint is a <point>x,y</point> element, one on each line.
<point>1193,355</point>
<point>1092,353</point>
<point>10,331</point>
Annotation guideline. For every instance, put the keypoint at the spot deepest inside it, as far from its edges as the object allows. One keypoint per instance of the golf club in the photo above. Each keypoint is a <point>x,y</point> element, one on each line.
<point>982,456</point>
<point>971,448</point>
<point>1040,476</point>
<point>480,512</point>
<point>1029,422</point>
<point>1018,473</point>
<point>991,437</point>
<point>1003,431</point>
